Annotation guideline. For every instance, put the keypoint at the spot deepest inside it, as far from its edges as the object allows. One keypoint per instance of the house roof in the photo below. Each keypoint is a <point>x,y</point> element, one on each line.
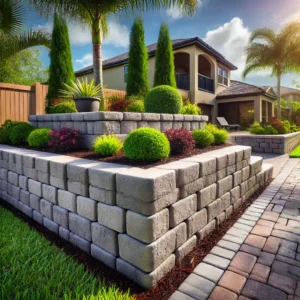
<point>287,90</point>
<point>240,89</point>
<point>177,44</point>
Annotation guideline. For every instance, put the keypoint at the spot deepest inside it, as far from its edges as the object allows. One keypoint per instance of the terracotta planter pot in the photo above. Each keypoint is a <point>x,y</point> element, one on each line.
<point>87,104</point>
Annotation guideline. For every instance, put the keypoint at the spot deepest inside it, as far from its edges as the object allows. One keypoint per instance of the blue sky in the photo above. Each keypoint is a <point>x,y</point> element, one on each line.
<point>224,24</point>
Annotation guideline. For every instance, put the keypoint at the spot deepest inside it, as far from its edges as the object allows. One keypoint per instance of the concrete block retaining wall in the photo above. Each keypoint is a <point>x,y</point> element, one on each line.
<point>91,125</point>
<point>139,222</point>
<point>279,144</point>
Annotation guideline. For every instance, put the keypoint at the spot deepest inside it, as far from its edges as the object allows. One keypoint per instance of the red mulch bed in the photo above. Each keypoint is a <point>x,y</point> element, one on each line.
<point>167,285</point>
<point>120,158</point>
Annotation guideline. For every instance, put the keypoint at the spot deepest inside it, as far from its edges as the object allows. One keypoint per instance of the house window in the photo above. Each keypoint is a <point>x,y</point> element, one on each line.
<point>222,76</point>
<point>125,73</point>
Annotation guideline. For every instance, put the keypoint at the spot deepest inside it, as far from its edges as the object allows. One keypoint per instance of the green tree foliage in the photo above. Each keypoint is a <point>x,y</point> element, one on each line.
<point>25,68</point>
<point>164,59</point>
<point>61,69</point>
<point>137,78</point>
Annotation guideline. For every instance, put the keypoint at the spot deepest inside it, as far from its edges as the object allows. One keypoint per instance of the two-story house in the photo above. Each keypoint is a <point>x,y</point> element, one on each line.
<point>202,75</point>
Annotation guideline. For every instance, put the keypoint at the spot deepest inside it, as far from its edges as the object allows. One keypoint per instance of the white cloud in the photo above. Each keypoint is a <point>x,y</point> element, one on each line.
<point>118,35</point>
<point>291,18</point>
<point>230,40</point>
<point>176,12</point>
<point>85,60</point>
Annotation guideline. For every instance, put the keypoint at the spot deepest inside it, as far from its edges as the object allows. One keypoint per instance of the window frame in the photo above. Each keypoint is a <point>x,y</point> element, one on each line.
<point>222,76</point>
<point>125,72</point>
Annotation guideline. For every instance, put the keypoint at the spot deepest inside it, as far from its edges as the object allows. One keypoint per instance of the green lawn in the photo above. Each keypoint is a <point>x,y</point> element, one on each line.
<point>296,152</point>
<point>31,268</point>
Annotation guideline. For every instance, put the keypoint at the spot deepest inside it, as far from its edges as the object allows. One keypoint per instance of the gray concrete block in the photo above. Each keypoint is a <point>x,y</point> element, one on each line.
<point>237,178</point>
<point>80,226</point>
<point>81,243</point>
<point>61,216</point>
<point>104,256</point>
<point>81,126</point>
<point>196,222</point>
<point>49,193</point>
<point>67,200</point>
<point>132,116</point>
<point>50,225</point>
<point>177,125</point>
<point>58,166</point>
<point>3,174</point>
<point>221,218</point>
<point>181,234</point>
<point>146,185</point>
<point>185,249</point>
<point>224,185</point>
<point>221,174</point>
<point>58,182</point>
<point>37,217</point>
<point>64,233</point>
<point>221,159</point>
<point>34,202</point>
<point>90,128</point>
<point>107,127</point>
<point>35,187</point>
<point>164,126</point>
<point>78,170</point>
<point>26,209</point>
<point>78,188</point>
<point>112,217</point>
<point>24,197</point>
<point>13,178</point>
<point>43,177</point>
<point>182,210</point>
<point>147,229</point>
<point>105,238</point>
<point>206,196</point>
<point>111,115</point>
<point>146,280</point>
<point>208,164</point>
<point>192,187</point>
<point>14,191</point>
<point>46,208</point>
<point>128,126</point>
<point>150,117</point>
<point>235,194</point>
<point>255,165</point>
<point>87,208</point>
<point>186,125</point>
<point>214,209</point>
<point>105,196</point>
<point>147,257</point>
<point>245,173</point>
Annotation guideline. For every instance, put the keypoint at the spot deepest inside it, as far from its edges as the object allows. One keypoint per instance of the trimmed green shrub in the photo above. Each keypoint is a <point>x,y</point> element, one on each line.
<point>19,134</point>
<point>211,127</point>
<point>269,130</point>
<point>287,125</point>
<point>164,59</point>
<point>203,137</point>
<point>190,109</point>
<point>257,130</point>
<point>220,136</point>
<point>146,144</point>
<point>61,68</point>
<point>107,145</point>
<point>39,137</point>
<point>63,108</point>
<point>5,130</point>
<point>136,106</point>
<point>137,76</point>
<point>163,99</point>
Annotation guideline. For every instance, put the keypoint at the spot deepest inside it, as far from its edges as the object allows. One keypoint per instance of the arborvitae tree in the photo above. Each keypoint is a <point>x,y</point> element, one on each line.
<point>164,59</point>
<point>137,76</point>
<point>61,68</point>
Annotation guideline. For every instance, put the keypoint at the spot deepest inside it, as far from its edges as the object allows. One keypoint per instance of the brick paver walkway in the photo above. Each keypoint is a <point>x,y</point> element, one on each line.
<point>259,257</point>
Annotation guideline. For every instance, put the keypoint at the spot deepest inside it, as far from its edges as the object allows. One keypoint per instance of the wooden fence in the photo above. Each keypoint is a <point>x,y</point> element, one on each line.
<point>17,102</point>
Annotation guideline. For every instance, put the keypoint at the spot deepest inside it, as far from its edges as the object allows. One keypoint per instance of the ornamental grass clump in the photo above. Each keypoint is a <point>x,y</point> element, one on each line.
<point>203,137</point>
<point>107,145</point>
<point>181,141</point>
<point>220,136</point>
<point>136,106</point>
<point>19,133</point>
<point>39,137</point>
<point>64,139</point>
<point>146,144</point>
<point>190,109</point>
<point>63,108</point>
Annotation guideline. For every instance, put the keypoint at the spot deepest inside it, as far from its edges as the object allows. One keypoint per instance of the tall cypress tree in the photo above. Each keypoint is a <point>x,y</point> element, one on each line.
<point>61,68</point>
<point>137,76</point>
<point>164,59</point>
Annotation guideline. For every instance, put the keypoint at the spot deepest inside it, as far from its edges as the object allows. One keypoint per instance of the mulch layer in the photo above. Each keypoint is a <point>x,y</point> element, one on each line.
<point>167,285</point>
<point>120,158</point>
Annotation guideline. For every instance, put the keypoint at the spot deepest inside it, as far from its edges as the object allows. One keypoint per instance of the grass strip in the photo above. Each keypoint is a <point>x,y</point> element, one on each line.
<point>32,268</point>
<point>296,152</point>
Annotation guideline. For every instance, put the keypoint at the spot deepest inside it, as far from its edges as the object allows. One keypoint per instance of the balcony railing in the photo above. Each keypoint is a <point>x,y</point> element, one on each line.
<point>183,81</point>
<point>205,84</point>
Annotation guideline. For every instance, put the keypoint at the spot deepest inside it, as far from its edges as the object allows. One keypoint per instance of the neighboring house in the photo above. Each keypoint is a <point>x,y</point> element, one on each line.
<point>289,94</point>
<point>202,75</point>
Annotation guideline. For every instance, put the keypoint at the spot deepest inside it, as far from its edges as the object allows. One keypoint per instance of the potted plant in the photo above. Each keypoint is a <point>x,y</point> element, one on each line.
<point>86,95</point>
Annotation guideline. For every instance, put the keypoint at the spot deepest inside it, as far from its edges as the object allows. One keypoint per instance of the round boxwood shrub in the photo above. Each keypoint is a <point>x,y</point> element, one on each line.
<point>136,106</point>
<point>146,144</point>
<point>107,145</point>
<point>19,134</point>
<point>5,130</point>
<point>190,109</point>
<point>269,130</point>
<point>258,130</point>
<point>181,140</point>
<point>63,108</point>
<point>203,137</point>
<point>220,136</point>
<point>39,137</point>
<point>163,99</point>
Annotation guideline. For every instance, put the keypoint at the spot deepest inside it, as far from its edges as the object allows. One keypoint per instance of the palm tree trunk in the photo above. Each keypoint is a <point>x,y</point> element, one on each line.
<point>278,97</point>
<point>97,57</point>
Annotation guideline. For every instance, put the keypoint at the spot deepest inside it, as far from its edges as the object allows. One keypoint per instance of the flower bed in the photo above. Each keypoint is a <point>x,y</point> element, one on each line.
<point>137,221</point>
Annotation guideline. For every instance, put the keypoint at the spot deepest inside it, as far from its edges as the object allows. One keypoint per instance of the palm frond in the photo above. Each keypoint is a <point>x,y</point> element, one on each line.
<point>11,17</point>
<point>266,34</point>
<point>249,68</point>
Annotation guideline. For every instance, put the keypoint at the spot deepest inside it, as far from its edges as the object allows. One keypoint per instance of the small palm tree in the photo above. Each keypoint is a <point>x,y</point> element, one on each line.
<point>94,13</point>
<point>279,52</point>
<point>12,38</point>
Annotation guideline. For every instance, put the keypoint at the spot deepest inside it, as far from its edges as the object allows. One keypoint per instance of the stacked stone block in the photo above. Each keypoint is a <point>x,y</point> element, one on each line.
<point>95,124</point>
<point>140,222</point>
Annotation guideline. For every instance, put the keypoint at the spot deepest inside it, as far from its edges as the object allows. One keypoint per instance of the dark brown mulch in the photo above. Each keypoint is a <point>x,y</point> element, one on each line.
<point>120,158</point>
<point>167,285</point>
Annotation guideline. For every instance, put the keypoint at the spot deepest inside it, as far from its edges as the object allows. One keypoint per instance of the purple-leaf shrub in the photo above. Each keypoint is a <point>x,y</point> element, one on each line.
<point>181,141</point>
